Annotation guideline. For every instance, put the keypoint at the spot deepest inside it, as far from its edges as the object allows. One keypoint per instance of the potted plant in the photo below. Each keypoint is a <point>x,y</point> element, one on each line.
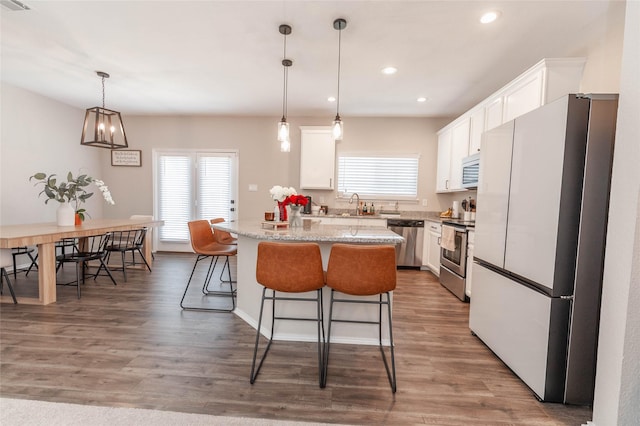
<point>70,194</point>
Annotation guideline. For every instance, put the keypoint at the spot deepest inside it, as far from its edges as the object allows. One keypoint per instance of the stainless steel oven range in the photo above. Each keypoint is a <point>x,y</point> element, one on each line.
<point>453,263</point>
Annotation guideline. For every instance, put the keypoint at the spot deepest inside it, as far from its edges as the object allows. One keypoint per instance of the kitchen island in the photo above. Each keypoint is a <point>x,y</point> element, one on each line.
<point>250,292</point>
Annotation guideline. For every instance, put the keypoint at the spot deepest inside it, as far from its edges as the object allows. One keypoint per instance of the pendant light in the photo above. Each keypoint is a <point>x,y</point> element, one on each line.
<point>103,127</point>
<point>337,129</point>
<point>283,126</point>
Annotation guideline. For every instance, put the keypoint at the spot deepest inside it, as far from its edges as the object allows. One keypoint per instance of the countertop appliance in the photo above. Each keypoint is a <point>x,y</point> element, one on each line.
<point>409,253</point>
<point>539,243</point>
<point>453,261</point>
<point>470,171</point>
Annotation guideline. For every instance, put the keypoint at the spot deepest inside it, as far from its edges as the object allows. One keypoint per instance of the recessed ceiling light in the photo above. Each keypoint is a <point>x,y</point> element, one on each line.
<point>421,99</point>
<point>489,17</point>
<point>389,70</point>
<point>331,99</point>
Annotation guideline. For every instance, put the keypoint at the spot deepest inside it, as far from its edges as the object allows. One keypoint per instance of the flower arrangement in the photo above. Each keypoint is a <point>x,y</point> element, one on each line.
<point>73,190</point>
<point>280,193</point>
<point>297,200</point>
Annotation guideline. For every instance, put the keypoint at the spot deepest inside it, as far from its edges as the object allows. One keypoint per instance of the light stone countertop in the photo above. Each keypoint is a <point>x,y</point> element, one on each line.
<point>317,233</point>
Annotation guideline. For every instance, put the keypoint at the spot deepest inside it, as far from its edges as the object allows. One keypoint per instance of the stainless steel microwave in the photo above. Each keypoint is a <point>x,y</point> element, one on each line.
<point>470,171</point>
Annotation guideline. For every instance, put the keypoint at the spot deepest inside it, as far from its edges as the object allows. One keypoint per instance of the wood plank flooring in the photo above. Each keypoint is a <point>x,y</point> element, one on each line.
<point>131,345</point>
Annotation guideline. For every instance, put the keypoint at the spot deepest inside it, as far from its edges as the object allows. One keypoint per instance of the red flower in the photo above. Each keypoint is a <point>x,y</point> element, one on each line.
<point>298,200</point>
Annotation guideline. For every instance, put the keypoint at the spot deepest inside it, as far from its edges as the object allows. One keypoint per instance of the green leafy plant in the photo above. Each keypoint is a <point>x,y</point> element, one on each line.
<point>73,190</point>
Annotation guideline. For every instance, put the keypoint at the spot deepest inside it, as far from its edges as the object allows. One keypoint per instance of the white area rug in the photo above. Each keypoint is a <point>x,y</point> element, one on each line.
<point>23,412</point>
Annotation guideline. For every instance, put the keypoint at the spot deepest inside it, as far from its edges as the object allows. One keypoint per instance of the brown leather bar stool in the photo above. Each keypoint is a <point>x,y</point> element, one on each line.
<point>224,238</point>
<point>363,270</point>
<point>289,268</point>
<point>205,246</point>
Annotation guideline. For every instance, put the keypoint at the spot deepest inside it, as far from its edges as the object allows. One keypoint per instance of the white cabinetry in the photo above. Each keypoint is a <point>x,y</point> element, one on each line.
<point>350,221</point>
<point>493,113</point>
<point>453,146</point>
<point>444,160</point>
<point>431,255</point>
<point>317,157</point>
<point>546,81</point>
<point>476,127</point>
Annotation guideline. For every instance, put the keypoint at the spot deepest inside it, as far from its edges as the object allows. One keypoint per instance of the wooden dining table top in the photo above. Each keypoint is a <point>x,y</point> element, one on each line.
<point>43,233</point>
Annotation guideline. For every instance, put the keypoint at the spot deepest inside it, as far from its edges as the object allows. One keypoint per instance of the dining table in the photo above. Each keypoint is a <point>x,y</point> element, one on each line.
<point>45,236</point>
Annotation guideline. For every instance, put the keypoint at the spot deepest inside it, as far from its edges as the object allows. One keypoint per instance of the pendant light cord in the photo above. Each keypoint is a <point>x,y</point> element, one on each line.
<point>102,92</point>
<point>339,55</point>
<point>286,78</point>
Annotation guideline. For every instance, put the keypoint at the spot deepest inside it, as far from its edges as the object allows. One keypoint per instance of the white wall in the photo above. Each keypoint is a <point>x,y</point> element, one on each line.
<point>617,393</point>
<point>260,159</point>
<point>40,135</point>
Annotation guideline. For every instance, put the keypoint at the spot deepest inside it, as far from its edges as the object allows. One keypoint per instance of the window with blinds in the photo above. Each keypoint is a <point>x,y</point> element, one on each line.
<point>192,185</point>
<point>379,177</point>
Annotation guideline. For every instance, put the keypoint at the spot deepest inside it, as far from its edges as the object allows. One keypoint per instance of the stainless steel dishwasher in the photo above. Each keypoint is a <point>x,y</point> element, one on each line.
<point>409,253</point>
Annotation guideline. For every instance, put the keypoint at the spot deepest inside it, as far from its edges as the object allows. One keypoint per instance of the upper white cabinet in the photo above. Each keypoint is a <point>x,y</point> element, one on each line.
<point>546,81</point>
<point>317,157</point>
<point>444,160</point>
<point>453,146</point>
<point>476,127</point>
<point>459,150</point>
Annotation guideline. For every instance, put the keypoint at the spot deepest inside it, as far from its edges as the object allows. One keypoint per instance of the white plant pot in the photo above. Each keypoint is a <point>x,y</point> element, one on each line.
<point>66,215</point>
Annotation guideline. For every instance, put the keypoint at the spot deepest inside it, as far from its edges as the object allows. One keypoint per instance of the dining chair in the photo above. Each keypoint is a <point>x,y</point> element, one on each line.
<point>205,246</point>
<point>289,268</point>
<point>149,229</point>
<point>6,259</point>
<point>21,251</point>
<point>91,248</point>
<point>123,242</point>
<point>362,271</point>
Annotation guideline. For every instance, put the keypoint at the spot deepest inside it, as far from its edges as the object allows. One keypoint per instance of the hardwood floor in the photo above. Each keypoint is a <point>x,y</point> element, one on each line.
<point>131,345</point>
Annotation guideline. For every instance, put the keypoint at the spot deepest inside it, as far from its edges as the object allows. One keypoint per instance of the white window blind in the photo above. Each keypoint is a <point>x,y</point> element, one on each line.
<point>174,196</point>
<point>192,185</point>
<point>214,186</point>
<point>381,177</point>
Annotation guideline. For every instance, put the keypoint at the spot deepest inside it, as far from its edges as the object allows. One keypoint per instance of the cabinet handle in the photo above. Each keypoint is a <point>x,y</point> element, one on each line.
<point>446,184</point>
<point>330,179</point>
<point>439,239</point>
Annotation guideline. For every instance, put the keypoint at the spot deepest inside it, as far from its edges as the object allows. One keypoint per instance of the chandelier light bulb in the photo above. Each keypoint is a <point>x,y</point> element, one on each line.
<point>283,131</point>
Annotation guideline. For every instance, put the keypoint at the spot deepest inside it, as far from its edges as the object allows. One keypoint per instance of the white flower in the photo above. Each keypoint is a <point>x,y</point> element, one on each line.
<point>105,191</point>
<point>279,193</point>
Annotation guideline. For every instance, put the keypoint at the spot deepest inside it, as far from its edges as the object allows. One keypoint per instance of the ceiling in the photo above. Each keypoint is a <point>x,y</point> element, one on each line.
<point>224,57</point>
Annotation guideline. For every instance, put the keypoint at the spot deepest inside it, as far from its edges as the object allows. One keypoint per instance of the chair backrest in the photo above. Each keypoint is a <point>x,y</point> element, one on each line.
<point>362,269</point>
<point>5,258</point>
<point>222,237</point>
<point>289,267</point>
<point>149,230</point>
<point>127,240</point>
<point>201,234</point>
<point>95,245</point>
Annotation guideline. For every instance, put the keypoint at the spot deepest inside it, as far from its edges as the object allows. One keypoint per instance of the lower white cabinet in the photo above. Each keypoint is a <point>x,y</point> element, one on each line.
<point>431,253</point>
<point>350,221</point>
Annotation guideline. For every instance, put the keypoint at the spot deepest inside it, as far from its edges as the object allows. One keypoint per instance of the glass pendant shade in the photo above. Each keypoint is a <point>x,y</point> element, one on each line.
<point>337,129</point>
<point>285,146</point>
<point>103,128</point>
<point>283,130</point>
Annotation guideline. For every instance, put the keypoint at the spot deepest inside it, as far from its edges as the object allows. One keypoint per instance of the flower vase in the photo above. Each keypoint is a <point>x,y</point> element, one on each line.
<point>283,211</point>
<point>295,220</point>
<point>65,215</point>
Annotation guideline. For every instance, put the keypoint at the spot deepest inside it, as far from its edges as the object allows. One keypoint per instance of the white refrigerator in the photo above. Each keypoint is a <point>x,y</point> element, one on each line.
<point>540,232</point>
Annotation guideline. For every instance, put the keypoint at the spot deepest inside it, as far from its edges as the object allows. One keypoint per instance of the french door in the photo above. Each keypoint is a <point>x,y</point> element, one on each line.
<point>191,185</point>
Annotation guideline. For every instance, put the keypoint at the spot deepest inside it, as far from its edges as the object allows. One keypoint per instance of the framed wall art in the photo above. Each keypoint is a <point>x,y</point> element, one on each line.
<point>126,157</point>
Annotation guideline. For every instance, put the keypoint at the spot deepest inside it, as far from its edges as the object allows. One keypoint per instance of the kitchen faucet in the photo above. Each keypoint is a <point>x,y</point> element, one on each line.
<point>355,194</point>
